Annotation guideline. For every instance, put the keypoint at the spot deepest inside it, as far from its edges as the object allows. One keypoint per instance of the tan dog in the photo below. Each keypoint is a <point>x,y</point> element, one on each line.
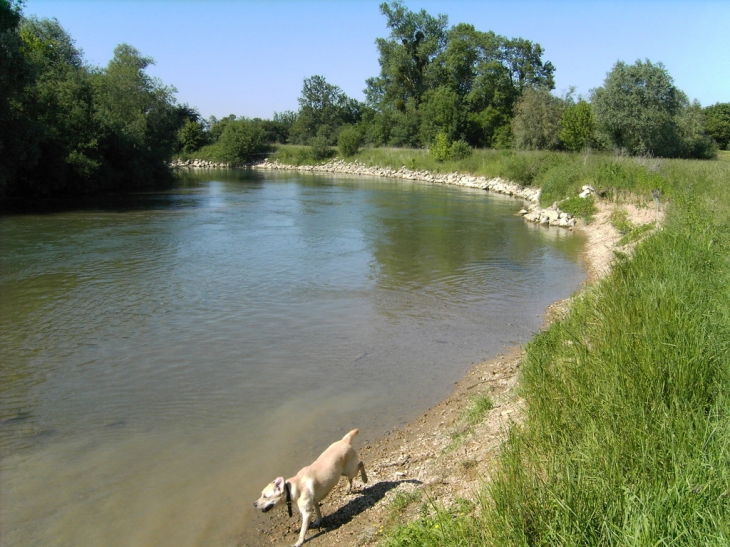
<point>312,484</point>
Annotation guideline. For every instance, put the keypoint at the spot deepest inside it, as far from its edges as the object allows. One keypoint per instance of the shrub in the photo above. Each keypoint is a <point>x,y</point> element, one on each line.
<point>320,148</point>
<point>349,141</point>
<point>441,147</point>
<point>459,150</point>
<point>579,207</point>
<point>242,141</point>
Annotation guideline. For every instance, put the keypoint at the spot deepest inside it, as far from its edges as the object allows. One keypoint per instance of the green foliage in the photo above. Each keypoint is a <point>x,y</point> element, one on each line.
<point>536,125</point>
<point>578,127</point>
<point>440,112</point>
<point>69,128</point>
<point>191,136</point>
<point>407,56</point>
<point>458,81</point>
<point>717,124</point>
<point>349,141</point>
<point>319,148</point>
<point>441,147</point>
<point>460,150</point>
<point>242,141</point>
<point>324,108</point>
<point>580,207</point>
<point>641,112</point>
<point>478,409</point>
<point>619,219</point>
<point>695,142</point>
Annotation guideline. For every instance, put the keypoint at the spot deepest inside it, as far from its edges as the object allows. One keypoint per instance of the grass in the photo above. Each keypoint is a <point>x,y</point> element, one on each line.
<point>475,412</point>
<point>626,438</point>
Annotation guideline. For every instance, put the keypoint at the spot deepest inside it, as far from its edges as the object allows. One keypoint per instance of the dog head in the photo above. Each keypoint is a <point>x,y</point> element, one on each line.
<point>271,495</point>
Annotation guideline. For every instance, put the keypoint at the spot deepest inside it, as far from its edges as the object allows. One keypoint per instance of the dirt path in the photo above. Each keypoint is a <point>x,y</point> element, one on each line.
<point>438,456</point>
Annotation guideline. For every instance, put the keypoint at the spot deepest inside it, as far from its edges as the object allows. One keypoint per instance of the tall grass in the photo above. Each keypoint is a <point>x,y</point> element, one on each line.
<point>626,439</point>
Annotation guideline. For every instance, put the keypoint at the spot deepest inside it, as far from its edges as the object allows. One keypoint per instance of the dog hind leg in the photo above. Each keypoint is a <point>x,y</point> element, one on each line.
<point>363,475</point>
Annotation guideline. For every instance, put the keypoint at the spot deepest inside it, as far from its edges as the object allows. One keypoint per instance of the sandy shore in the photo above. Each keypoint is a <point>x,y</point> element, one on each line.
<point>438,457</point>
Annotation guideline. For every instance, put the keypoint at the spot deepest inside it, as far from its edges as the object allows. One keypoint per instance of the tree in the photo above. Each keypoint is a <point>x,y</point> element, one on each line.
<point>490,72</point>
<point>62,151</point>
<point>15,130</point>
<point>578,126</point>
<point>323,109</point>
<point>140,117</point>
<point>406,57</point>
<point>459,81</point>
<point>536,125</point>
<point>441,112</point>
<point>717,124</point>
<point>637,108</point>
<point>192,136</point>
<point>695,142</point>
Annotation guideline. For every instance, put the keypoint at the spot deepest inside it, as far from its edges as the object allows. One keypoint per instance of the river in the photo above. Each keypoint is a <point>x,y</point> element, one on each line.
<point>164,355</point>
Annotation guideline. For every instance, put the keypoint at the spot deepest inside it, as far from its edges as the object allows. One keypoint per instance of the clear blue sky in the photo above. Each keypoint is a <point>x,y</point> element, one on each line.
<point>249,57</point>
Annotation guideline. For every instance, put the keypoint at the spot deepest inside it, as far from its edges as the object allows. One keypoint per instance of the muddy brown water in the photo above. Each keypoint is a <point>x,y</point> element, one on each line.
<point>165,355</point>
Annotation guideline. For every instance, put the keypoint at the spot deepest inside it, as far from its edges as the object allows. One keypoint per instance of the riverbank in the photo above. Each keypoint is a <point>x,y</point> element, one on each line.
<point>532,212</point>
<point>445,454</point>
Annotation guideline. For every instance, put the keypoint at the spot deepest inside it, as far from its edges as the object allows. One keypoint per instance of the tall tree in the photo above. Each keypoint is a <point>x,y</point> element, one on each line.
<point>460,82</point>
<point>140,117</point>
<point>323,109</point>
<point>60,103</point>
<point>717,123</point>
<point>490,72</point>
<point>536,125</point>
<point>641,111</point>
<point>14,75</point>
<point>637,108</point>
<point>578,126</point>
<point>406,57</point>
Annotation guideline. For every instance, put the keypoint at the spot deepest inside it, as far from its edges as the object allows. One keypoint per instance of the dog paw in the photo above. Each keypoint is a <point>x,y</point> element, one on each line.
<point>317,523</point>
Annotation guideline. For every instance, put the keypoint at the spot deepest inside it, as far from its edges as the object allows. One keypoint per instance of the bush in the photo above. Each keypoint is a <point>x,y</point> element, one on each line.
<point>579,207</point>
<point>441,147</point>
<point>319,148</point>
<point>242,141</point>
<point>459,150</point>
<point>349,141</point>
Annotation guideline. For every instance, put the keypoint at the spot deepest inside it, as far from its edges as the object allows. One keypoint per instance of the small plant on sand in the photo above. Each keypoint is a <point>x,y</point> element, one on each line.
<point>620,220</point>
<point>478,409</point>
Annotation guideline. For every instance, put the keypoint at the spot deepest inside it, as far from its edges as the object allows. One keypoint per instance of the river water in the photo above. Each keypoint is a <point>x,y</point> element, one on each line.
<point>165,355</point>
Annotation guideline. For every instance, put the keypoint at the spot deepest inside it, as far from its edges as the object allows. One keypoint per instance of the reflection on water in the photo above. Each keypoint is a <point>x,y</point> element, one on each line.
<point>162,353</point>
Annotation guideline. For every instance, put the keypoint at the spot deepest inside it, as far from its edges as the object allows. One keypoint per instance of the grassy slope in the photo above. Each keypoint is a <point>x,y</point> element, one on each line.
<point>627,435</point>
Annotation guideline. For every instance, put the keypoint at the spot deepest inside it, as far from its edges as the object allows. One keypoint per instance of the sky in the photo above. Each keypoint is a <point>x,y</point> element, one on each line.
<point>249,58</point>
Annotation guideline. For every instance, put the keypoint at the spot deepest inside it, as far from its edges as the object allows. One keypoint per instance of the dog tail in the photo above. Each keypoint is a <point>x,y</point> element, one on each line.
<point>351,435</point>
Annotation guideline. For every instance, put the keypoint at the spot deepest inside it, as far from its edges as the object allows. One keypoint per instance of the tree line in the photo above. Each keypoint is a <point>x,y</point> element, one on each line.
<point>70,128</point>
<point>450,89</point>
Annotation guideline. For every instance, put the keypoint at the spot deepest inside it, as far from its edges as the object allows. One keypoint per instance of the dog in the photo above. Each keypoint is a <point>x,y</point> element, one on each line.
<point>312,484</point>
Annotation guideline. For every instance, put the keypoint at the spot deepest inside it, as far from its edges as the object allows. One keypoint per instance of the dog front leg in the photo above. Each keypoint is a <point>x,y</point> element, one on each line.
<point>306,515</point>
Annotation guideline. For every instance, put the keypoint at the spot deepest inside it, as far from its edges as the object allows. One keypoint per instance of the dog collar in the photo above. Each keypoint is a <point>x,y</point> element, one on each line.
<point>288,497</point>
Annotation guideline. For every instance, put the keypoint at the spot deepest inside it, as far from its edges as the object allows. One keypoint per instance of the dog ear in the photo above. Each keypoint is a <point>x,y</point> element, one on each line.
<point>279,483</point>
